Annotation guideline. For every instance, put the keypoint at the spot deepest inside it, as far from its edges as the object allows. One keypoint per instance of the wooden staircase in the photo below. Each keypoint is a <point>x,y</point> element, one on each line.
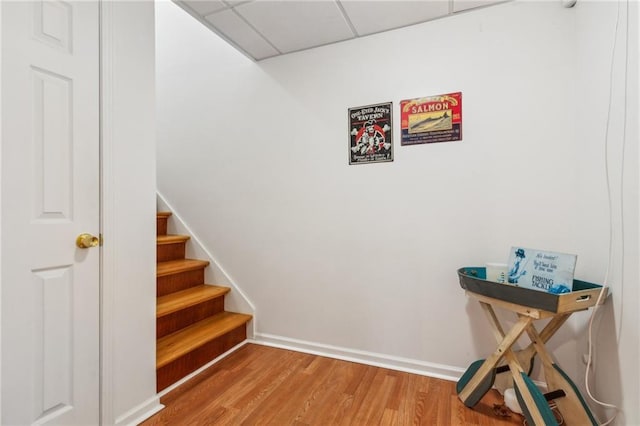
<point>192,327</point>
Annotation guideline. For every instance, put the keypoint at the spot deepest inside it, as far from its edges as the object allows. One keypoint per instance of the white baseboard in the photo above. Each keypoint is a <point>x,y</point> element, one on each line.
<point>140,413</point>
<point>430,369</point>
<point>407,365</point>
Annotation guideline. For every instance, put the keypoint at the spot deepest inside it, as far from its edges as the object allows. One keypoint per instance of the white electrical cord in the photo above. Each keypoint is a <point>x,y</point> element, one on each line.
<point>589,357</point>
<point>611,225</point>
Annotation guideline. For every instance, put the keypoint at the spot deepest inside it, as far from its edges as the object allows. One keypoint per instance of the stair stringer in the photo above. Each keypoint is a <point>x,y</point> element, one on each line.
<point>236,300</point>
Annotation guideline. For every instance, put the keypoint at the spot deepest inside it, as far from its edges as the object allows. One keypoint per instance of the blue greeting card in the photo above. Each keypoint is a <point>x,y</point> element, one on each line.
<point>541,270</point>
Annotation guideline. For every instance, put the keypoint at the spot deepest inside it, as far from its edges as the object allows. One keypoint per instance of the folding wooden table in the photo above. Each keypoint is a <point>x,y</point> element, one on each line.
<point>529,306</point>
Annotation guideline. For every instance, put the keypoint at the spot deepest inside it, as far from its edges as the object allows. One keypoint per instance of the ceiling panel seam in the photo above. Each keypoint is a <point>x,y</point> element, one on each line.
<point>347,19</point>
<point>233,9</point>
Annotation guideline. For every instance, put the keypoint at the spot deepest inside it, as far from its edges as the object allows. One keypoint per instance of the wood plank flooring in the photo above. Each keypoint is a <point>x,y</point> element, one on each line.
<point>260,385</point>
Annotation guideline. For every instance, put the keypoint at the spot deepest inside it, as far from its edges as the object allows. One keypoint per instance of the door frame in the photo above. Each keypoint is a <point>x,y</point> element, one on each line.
<point>1,145</point>
<point>107,303</point>
<point>117,73</point>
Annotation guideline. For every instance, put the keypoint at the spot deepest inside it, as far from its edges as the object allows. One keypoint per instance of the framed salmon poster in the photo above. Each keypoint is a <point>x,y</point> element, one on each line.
<point>370,134</point>
<point>431,119</point>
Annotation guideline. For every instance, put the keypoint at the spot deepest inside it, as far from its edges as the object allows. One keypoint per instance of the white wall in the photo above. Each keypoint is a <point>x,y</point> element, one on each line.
<point>363,258</point>
<point>129,381</point>
<point>1,144</point>
<point>618,344</point>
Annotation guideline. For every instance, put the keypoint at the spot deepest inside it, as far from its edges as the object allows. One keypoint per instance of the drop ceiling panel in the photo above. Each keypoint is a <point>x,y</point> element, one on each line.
<point>205,7</point>
<point>266,28</point>
<point>296,25</point>
<point>246,38</point>
<point>370,17</point>
<point>460,5</point>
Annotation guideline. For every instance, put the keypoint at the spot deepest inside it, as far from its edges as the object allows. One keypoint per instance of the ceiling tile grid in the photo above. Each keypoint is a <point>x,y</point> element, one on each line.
<point>233,28</point>
<point>203,8</point>
<point>265,28</point>
<point>370,17</point>
<point>296,25</point>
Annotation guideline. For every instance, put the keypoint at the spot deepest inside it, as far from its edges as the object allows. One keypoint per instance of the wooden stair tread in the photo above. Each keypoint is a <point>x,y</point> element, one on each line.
<point>174,302</point>
<point>164,214</point>
<point>180,343</point>
<point>181,265</point>
<point>172,238</point>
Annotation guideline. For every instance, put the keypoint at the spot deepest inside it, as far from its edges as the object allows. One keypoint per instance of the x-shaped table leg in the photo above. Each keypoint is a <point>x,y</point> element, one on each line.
<point>572,406</point>
<point>478,385</point>
<point>538,415</point>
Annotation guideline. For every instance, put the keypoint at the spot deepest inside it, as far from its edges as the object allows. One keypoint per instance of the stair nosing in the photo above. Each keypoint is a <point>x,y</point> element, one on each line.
<point>210,292</point>
<point>163,214</point>
<point>189,265</point>
<point>203,337</point>
<point>165,239</point>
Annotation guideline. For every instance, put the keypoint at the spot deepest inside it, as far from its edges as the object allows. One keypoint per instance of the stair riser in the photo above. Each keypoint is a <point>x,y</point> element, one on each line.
<point>179,281</point>
<point>185,317</point>
<point>161,225</point>
<point>166,252</point>
<point>190,362</point>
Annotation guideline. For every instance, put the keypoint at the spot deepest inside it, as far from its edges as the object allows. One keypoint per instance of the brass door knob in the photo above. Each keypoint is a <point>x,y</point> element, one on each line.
<point>87,241</point>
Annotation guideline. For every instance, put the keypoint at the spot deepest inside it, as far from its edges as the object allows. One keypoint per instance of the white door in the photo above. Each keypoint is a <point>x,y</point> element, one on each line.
<point>50,194</point>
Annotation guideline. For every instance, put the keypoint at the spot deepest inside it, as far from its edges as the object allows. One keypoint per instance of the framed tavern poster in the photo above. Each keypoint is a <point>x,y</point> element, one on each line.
<point>370,134</point>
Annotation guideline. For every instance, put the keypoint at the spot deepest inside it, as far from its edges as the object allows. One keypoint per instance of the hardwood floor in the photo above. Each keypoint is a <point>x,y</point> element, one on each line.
<point>260,385</point>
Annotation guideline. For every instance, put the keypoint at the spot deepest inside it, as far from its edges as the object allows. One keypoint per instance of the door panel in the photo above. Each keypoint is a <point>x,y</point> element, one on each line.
<point>53,290</point>
<point>52,145</point>
<point>50,194</point>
